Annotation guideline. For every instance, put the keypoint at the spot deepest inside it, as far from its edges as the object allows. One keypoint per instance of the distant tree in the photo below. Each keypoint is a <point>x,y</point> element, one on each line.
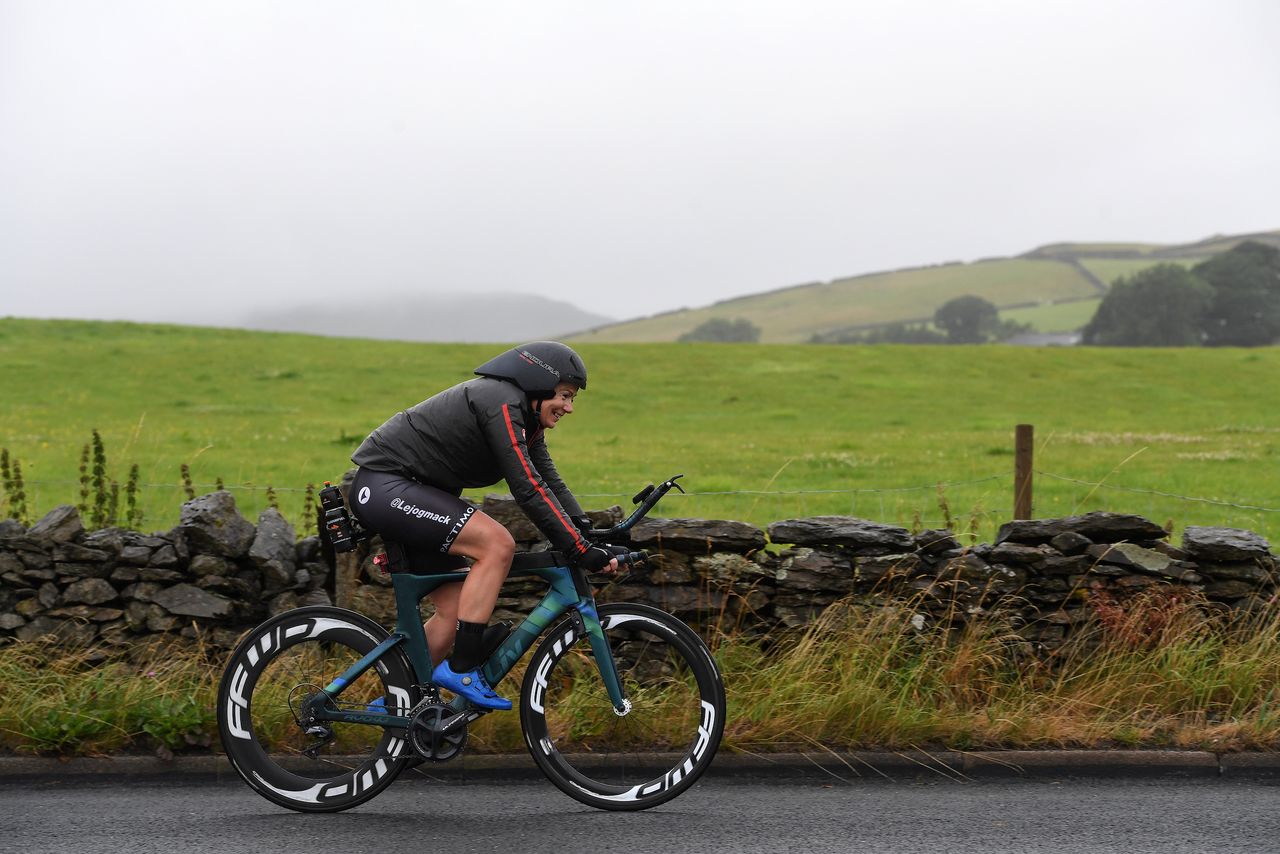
<point>1161,306</point>
<point>1245,307</point>
<point>968,320</point>
<point>1006,329</point>
<point>721,330</point>
<point>901,333</point>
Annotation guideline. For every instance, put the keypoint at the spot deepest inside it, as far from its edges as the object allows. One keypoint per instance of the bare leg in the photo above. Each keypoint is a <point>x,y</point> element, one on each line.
<point>443,624</point>
<point>487,543</point>
<point>491,547</point>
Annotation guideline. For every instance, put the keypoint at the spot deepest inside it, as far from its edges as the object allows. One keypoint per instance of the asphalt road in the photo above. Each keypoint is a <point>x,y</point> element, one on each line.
<point>992,817</point>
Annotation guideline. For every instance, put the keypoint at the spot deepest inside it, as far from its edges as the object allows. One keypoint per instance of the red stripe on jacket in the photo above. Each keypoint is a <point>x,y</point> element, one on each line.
<point>528,471</point>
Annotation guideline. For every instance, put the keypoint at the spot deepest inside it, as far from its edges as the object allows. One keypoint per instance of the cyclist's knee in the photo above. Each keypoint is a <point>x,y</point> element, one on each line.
<point>504,547</point>
<point>485,540</point>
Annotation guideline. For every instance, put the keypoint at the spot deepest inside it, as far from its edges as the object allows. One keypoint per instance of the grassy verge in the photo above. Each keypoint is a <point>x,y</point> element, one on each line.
<point>1153,672</point>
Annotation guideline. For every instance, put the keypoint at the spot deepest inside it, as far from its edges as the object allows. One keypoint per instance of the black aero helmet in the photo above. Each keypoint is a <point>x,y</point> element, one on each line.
<point>537,367</point>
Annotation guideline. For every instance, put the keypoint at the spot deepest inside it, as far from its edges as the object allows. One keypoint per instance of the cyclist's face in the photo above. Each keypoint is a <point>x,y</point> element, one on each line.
<point>558,406</point>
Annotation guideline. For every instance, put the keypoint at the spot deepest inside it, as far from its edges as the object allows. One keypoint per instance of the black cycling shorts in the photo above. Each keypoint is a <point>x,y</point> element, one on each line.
<point>418,520</point>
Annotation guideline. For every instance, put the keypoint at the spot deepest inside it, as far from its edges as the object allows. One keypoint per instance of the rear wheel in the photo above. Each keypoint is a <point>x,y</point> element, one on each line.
<point>280,664</point>
<point>652,753</point>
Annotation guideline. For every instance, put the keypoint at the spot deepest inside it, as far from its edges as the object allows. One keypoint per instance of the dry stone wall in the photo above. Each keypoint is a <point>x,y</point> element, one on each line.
<point>211,577</point>
<point>216,574</point>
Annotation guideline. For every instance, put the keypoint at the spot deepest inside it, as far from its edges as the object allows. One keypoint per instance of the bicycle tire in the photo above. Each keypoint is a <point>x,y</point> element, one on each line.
<point>284,659</point>
<point>660,747</point>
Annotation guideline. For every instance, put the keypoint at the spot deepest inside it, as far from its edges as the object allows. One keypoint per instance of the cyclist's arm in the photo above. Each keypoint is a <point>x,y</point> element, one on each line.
<point>504,429</point>
<point>541,457</point>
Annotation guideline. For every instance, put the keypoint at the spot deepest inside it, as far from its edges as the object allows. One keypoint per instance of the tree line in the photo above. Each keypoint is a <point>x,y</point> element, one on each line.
<point>964,320</point>
<point>1229,300</point>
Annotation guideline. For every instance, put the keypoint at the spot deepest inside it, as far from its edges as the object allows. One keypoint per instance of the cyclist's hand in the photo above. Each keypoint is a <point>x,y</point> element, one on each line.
<point>598,559</point>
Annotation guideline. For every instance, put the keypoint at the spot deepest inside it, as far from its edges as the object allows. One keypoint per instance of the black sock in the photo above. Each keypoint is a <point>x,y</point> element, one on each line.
<point>493,637</point>
<point>468,647</point>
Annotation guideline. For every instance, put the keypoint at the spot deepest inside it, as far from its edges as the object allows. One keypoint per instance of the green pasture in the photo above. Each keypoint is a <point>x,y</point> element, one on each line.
<point>1056,317</point>
<point>762,432</point>
<point>1110,269</point>
<point>794,315</point>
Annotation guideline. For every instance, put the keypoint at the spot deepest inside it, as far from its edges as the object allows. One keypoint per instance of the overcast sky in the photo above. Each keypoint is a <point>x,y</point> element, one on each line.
<point>170,158</point>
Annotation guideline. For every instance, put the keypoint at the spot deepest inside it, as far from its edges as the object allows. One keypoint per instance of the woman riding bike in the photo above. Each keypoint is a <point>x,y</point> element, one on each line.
<point>413,468</point>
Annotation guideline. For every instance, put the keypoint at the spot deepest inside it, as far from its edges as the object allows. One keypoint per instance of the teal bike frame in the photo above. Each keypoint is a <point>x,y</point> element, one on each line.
<point>569,593</point>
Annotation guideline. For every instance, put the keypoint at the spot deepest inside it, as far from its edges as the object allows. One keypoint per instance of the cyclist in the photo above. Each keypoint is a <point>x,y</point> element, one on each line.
<point>413,468</point>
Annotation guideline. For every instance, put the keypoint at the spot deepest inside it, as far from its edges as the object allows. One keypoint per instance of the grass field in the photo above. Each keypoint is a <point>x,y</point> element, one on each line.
<point>1059,317</point>
<point>762,432</point>
<point>1110,269</point>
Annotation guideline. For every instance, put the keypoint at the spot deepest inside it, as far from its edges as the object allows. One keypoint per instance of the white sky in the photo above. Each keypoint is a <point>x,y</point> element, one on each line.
<point>171,158</point>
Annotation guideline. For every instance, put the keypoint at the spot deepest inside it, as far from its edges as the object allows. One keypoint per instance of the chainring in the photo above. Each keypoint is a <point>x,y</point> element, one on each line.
<point>427,740</point>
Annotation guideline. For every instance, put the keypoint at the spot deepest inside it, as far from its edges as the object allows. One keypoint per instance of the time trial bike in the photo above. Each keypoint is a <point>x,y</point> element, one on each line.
<point>622,705</point>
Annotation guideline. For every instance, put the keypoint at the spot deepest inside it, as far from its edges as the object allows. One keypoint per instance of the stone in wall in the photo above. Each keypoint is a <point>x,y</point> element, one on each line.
<point>60,525</point>
<point>212,525</point>
<point>274,550</point>
<point>1098,527</point>
<point>506,511</point>
<point>697,536</point>
<point>860,535</point>
<point>1223,545</point>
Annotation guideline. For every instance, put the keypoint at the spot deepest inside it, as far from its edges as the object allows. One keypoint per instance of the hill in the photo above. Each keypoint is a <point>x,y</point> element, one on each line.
<point>1053,288</point>
<point>474,318</point>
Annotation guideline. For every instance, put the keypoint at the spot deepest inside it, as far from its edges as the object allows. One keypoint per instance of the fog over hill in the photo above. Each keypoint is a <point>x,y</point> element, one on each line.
<point>475,318</point>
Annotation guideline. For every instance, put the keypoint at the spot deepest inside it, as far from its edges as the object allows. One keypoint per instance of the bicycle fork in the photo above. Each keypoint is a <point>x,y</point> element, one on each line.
<point>570,594</point>
<point>587,621</point>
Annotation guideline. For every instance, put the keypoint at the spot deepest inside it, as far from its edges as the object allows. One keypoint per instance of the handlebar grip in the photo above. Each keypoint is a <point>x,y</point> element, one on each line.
<point>635,558</point>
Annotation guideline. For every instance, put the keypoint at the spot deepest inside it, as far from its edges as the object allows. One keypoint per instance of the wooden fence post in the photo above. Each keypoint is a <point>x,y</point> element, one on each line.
<point>1023,452</point>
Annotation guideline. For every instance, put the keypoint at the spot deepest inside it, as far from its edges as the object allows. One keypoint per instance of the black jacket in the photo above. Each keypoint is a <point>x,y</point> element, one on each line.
<point>474,435</point>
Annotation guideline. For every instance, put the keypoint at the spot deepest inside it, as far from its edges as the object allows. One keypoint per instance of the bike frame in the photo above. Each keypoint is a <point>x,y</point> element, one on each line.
<point>564,596</point>
<point>569,593</point>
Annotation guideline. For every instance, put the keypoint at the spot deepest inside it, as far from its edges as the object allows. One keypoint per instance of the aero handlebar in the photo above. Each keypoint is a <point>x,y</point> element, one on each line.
<point>647,499</point>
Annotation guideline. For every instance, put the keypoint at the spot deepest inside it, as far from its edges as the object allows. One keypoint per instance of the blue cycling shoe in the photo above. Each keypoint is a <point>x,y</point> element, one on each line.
<point>471,685</point>
<point>378,706</point>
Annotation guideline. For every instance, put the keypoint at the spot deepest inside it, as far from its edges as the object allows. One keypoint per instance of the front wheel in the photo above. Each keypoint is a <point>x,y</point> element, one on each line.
<point>278,666</point>
<point>647,756</point>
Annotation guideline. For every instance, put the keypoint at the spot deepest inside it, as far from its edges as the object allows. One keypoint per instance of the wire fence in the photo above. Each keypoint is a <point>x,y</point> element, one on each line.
<point>1156,492</point>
